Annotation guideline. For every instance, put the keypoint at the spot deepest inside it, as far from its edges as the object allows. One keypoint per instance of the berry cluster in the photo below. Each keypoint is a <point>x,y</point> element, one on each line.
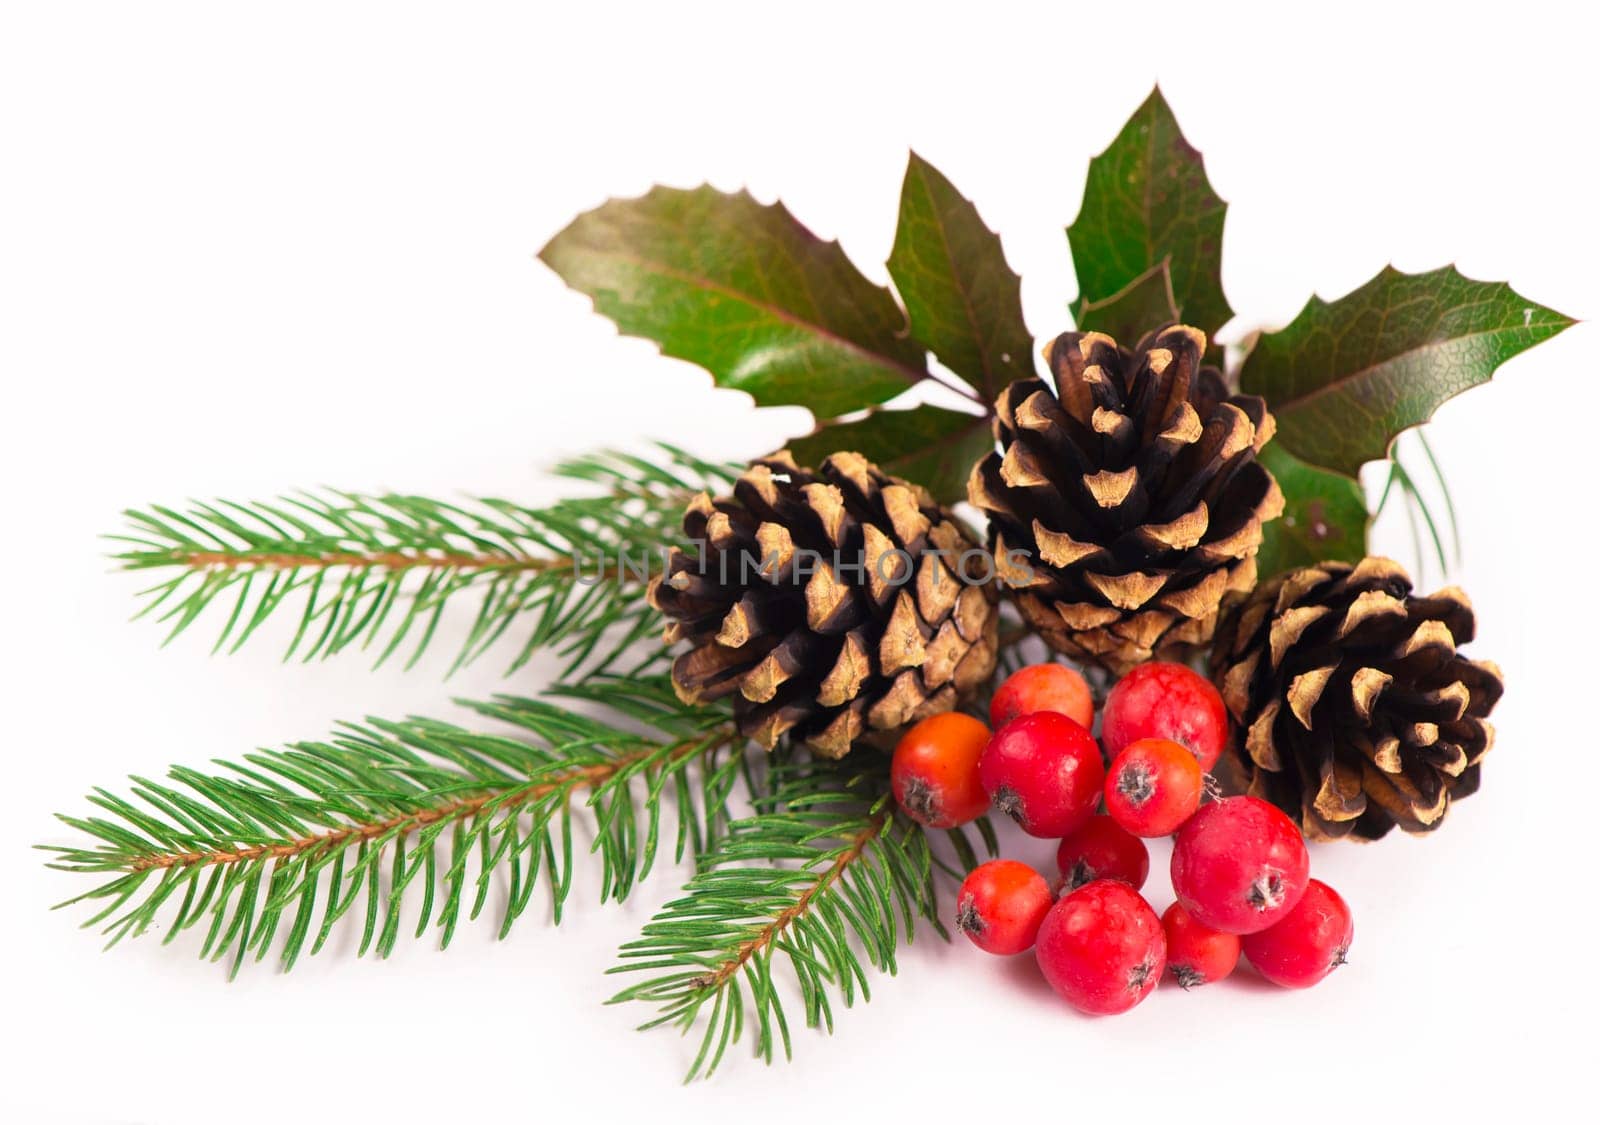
<point>1240,869</point>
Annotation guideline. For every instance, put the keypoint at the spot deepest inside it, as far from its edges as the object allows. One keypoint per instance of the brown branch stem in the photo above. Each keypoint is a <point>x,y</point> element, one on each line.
<point>387,560</point>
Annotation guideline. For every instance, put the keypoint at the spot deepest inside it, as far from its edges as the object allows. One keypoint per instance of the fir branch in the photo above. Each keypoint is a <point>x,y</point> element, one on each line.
<point>1416,504</point>
<point>1444,490</point>
<point>418,812</point>
<point>826,878</point>
<point>377,572</point>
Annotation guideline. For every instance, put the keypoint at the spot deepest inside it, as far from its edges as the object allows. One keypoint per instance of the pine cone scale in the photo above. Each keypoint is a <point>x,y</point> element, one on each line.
<point>1356,710</point>
<point>818,603</point>
<point>1131,490</point>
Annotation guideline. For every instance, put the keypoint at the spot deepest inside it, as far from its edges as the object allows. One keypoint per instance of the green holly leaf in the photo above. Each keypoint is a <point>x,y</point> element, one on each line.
<point>929,445</point>
<point>746,292</point>
<point>1146,304</point>
<point>1324,515</point>
<point>963,299</point>
<point>1346,377</point>
<point>1147,200</point>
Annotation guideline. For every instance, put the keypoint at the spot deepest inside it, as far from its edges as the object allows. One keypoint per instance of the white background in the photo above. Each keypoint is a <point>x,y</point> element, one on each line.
<point>250,248</point>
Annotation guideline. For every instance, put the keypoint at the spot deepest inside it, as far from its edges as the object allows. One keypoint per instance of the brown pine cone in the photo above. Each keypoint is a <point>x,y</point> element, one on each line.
<point>1126,504</point>
<point>883,623</point>
<point>1355,712</point>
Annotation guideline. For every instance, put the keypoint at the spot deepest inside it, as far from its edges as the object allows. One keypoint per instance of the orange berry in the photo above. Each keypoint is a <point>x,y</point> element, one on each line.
<point>1153,786</point>
<point>1043,687</point>
<point>934,773</point>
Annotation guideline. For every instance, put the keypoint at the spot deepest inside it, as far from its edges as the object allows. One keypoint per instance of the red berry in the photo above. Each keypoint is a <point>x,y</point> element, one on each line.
<point>1102,948</point>
<point>1102,849</point>
<point>1239,865</point>
<point>1153,787</point>
<point>1044,771</point>
<point>1197,954</point>
<point>1308,943</point>
<point>1001,904</point>
<point>1042,687</point>
<point>1160,700</point>
<point>934,773</point>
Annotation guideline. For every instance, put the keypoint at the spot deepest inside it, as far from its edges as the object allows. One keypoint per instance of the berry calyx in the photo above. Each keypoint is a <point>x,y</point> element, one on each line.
<point>1196,954</point>
<point>1153,786</point>
<point>1164,700</point>
<point>1042,687</point>
<point>1044,771</point>
<point>1102,948</point>
<point>1102,849</point>
<point>1001,904</point>
<point>934,772</point>
<point>1239,865</point>
<point>1307,943</point>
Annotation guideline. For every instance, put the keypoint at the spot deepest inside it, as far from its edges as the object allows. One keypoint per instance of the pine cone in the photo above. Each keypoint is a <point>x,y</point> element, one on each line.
<point>884,624</point>
<point>1125,505</point>
<point>1354,710</point>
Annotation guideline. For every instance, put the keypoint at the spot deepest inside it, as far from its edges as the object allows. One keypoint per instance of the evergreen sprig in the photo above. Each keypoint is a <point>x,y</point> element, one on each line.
<point>377,571</point>
<point>289,842</point>
<point>825,879</point>
<point>1416,504</point>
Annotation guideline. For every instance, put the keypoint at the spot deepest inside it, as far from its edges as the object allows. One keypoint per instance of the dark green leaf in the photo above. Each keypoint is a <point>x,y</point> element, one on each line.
<point>963,300</point>
<point>1146,304</point>
<point>746,292</point>
<point>928,444</point>
<point>1347,376</point>
<point>1324,516</point>
<point>1147,199</point>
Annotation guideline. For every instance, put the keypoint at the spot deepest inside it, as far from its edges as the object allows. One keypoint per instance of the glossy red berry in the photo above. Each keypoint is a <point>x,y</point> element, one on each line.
<point>1153,786</point>
<point>1044,771</point>
<point>1102,948</point>
<point>1162,700</point>
<point>1197,954</point>
<point>1001,904</point>
<point>1307,943</point>
<point>934,772</point>
<point>1239,865</point>
<point>1042,687</point>
<point>1102,849</point>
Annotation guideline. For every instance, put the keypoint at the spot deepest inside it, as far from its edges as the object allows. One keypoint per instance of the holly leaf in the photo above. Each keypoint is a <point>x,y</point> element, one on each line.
<point>1346,377</point>
<point>746,292</point>
<point>930,445</point>
<point>1147,200</point>
<point>1145,304</point>
<point>1324,515</point>
<point>964,301</point>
